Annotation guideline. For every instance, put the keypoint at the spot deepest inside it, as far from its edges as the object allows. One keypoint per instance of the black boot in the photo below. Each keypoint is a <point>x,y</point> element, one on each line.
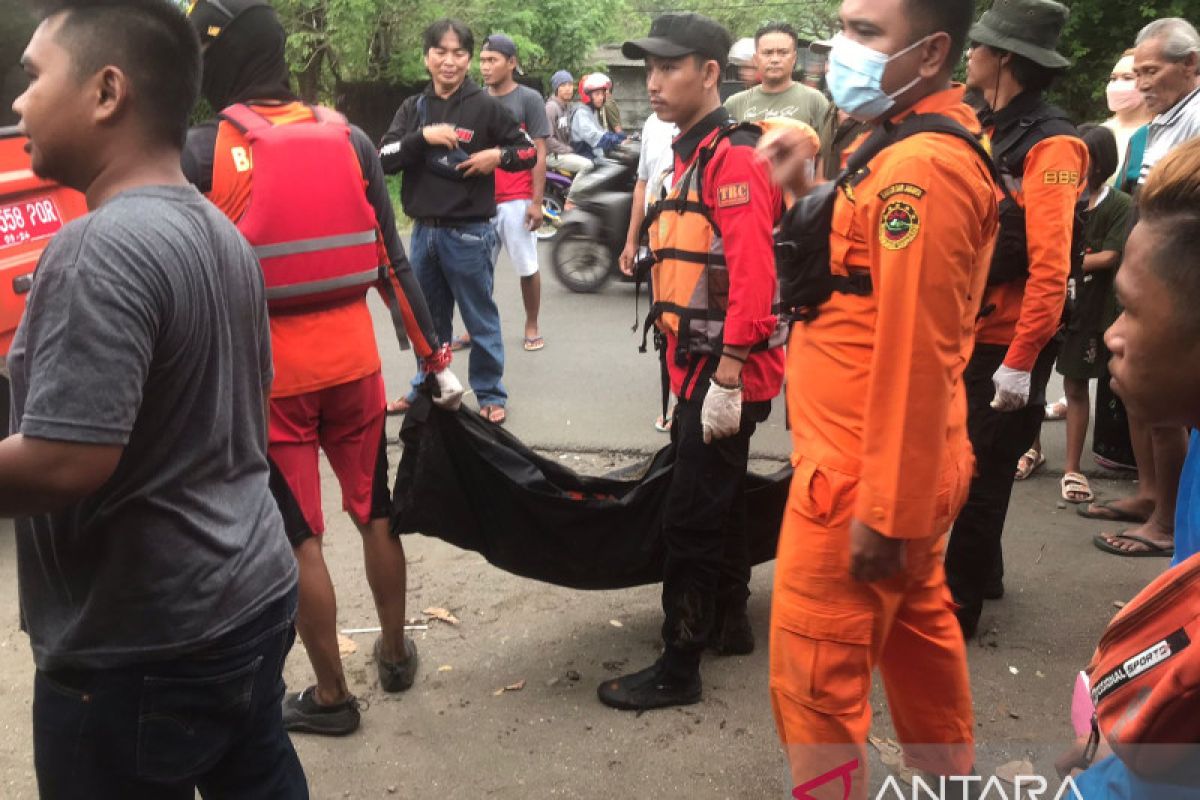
<point>732,635</point>
<point>968,617</point>
<point>650,688</point>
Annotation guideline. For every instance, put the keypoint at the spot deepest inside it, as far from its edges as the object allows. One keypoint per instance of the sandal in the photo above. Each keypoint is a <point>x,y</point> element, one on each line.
<point>399,406</point>
<point>534,343</point>
<point>1029,463</point>
<point>1153,549</point>
<point>1076,489</point>
<point>1057,410</point>
<point>494,414</point>
<point>663,424</point>
<point>460,342</point>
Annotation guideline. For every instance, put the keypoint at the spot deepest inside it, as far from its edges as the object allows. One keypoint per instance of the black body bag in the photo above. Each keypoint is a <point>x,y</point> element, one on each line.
<point>469,482</point>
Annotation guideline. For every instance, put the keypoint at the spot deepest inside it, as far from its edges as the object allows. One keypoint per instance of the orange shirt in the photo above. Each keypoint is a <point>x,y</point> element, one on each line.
<point>874,384</point>
<point>312,350</point>
<point>1027,313</point>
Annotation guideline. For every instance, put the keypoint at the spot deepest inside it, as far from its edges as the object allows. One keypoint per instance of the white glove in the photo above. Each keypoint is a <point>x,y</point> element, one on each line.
<point>450,391</point>
<point>721,414</point>
<point>1012,389</point>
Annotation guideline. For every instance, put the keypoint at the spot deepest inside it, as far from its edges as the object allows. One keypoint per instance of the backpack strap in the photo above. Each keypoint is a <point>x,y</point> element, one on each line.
<point>244,118</point>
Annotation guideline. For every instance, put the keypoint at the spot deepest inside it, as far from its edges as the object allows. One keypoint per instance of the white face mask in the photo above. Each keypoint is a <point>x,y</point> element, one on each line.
<point>855,78</point>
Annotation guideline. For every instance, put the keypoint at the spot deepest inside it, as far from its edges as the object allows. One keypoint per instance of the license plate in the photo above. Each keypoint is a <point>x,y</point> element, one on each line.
<point>28,220</point>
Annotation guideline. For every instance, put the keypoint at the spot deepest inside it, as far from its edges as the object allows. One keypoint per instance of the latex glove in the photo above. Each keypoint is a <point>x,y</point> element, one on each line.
<point>1012,389</point>
<point>721,414</point>
<point>450,390</point>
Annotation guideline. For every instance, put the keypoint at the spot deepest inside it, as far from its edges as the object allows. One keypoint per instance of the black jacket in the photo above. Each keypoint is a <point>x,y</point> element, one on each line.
<point>481,123</point>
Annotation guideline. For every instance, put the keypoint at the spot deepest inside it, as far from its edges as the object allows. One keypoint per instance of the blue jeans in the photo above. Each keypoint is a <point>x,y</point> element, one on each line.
<point>455,265</point>
<point>211,720</point>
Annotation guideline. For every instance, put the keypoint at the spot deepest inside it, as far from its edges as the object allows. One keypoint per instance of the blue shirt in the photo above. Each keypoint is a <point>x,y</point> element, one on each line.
<point>1187,507</point>
<point>1110,779</point>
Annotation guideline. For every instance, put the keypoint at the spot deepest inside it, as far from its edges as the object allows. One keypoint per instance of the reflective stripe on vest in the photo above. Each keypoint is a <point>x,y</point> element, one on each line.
<point>308,217</point>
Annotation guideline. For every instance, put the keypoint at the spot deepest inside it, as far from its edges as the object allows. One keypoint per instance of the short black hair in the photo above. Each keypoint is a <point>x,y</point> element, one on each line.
<point>151,41</point>
<point>953,17</point>
<point>777,27</point>
<point>1032,76</point>
<point>436,30</point>
<point>1102,153</point>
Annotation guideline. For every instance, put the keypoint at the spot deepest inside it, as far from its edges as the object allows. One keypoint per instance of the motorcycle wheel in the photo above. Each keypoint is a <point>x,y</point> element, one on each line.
<point>553,205</point>
<point>581,263</point>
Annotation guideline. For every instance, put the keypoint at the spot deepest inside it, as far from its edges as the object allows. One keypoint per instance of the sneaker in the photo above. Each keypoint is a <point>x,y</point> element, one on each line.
<point>650,688</point>
<point>732,636</point>
<point>397,676</point>
<point>303,714</point>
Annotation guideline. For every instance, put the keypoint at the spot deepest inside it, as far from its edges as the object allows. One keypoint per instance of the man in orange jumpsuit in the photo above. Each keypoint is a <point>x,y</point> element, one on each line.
<point>878,413</point>
<point>1044,166</point>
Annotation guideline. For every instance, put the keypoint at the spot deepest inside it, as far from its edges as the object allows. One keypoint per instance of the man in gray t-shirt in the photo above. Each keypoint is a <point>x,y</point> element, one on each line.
<point>156,582</point>
<point>519,194</point>
<point>146,330</point>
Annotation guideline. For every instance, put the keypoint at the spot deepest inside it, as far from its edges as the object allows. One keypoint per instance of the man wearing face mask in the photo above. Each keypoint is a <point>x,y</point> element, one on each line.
<point>1044,165</point>
<point>880,448</point>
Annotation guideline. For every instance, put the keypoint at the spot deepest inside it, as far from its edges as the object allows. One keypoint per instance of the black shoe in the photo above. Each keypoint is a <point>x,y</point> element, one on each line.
<point>993,590</point>
<point>650,688</point>
<point>968,618</point>
<point>397,677</point>
<point>732,636</point>
<point>302,714</point>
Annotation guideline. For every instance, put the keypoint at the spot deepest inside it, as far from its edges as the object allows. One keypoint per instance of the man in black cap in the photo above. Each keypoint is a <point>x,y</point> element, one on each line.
<point>1012,61</point>
<point>723,351</point>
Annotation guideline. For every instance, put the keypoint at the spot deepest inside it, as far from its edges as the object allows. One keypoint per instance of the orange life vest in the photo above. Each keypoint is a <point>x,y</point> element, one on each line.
<point>689,276</point>
<point>308,218</point>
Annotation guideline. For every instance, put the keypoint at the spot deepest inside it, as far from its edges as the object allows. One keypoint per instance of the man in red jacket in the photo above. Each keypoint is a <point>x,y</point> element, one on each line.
<point>723,351</point>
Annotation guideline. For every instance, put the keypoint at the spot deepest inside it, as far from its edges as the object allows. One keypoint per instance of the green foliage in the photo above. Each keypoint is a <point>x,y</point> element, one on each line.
<point>332,41</point>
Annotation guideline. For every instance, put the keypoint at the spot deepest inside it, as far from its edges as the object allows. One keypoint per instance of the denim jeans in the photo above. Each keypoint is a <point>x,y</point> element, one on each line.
<point>211,720</point>
<point>455,265</point>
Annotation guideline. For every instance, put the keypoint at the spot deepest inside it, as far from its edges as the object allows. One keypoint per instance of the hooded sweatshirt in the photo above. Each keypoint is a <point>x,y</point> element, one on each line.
<point>481,122</point>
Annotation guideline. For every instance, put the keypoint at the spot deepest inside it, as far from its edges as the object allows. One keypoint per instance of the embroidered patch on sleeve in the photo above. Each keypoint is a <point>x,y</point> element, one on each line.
<point>902,188</point>
<point>733,194</point>
<point>898,226</point>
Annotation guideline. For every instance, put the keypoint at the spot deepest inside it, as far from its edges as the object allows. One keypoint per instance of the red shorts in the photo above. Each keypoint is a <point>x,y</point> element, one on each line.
<point>346,421</point>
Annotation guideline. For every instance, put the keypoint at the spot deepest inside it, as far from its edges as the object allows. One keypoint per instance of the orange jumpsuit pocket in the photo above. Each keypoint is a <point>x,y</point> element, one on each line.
<point>818,493</point>
<point>821,658</point>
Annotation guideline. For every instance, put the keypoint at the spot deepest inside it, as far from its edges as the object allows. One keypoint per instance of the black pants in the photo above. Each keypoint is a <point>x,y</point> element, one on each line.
<point>975,555</point>
<point>708,564</point>
<point>209,720</point>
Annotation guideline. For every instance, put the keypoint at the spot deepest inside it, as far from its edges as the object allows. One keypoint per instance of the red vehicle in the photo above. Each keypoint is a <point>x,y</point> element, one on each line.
<point>31,211</point>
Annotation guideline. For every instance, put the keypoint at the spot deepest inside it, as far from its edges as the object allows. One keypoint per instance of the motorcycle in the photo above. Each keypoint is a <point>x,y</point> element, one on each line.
<point>554,201</point>
<point>592,233</point>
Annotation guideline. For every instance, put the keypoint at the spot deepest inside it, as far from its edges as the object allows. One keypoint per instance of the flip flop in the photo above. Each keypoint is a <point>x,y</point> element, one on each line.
<point>1029,464</point>
<point>1155,550</point>
<point>494,414</point>
<point>1111,513</point>
<point>398,407</point>
<point>663,424</point>
<point>460,342</point>
<point>534,343</point>
<point>1073,483</point>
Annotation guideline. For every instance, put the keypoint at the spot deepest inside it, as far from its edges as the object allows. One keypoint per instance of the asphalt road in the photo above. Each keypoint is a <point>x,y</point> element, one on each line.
<point>589,388</point>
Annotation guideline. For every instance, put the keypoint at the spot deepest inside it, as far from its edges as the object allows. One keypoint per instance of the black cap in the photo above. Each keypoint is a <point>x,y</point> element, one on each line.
<point>675,35</point>
<point>500,43</point>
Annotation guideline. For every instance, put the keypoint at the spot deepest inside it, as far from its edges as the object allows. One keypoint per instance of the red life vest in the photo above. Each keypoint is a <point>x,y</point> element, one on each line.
<point>308,218</point>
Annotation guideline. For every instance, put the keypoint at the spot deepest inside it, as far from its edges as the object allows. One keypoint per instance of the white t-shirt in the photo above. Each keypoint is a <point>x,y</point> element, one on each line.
<point>657,158</point>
